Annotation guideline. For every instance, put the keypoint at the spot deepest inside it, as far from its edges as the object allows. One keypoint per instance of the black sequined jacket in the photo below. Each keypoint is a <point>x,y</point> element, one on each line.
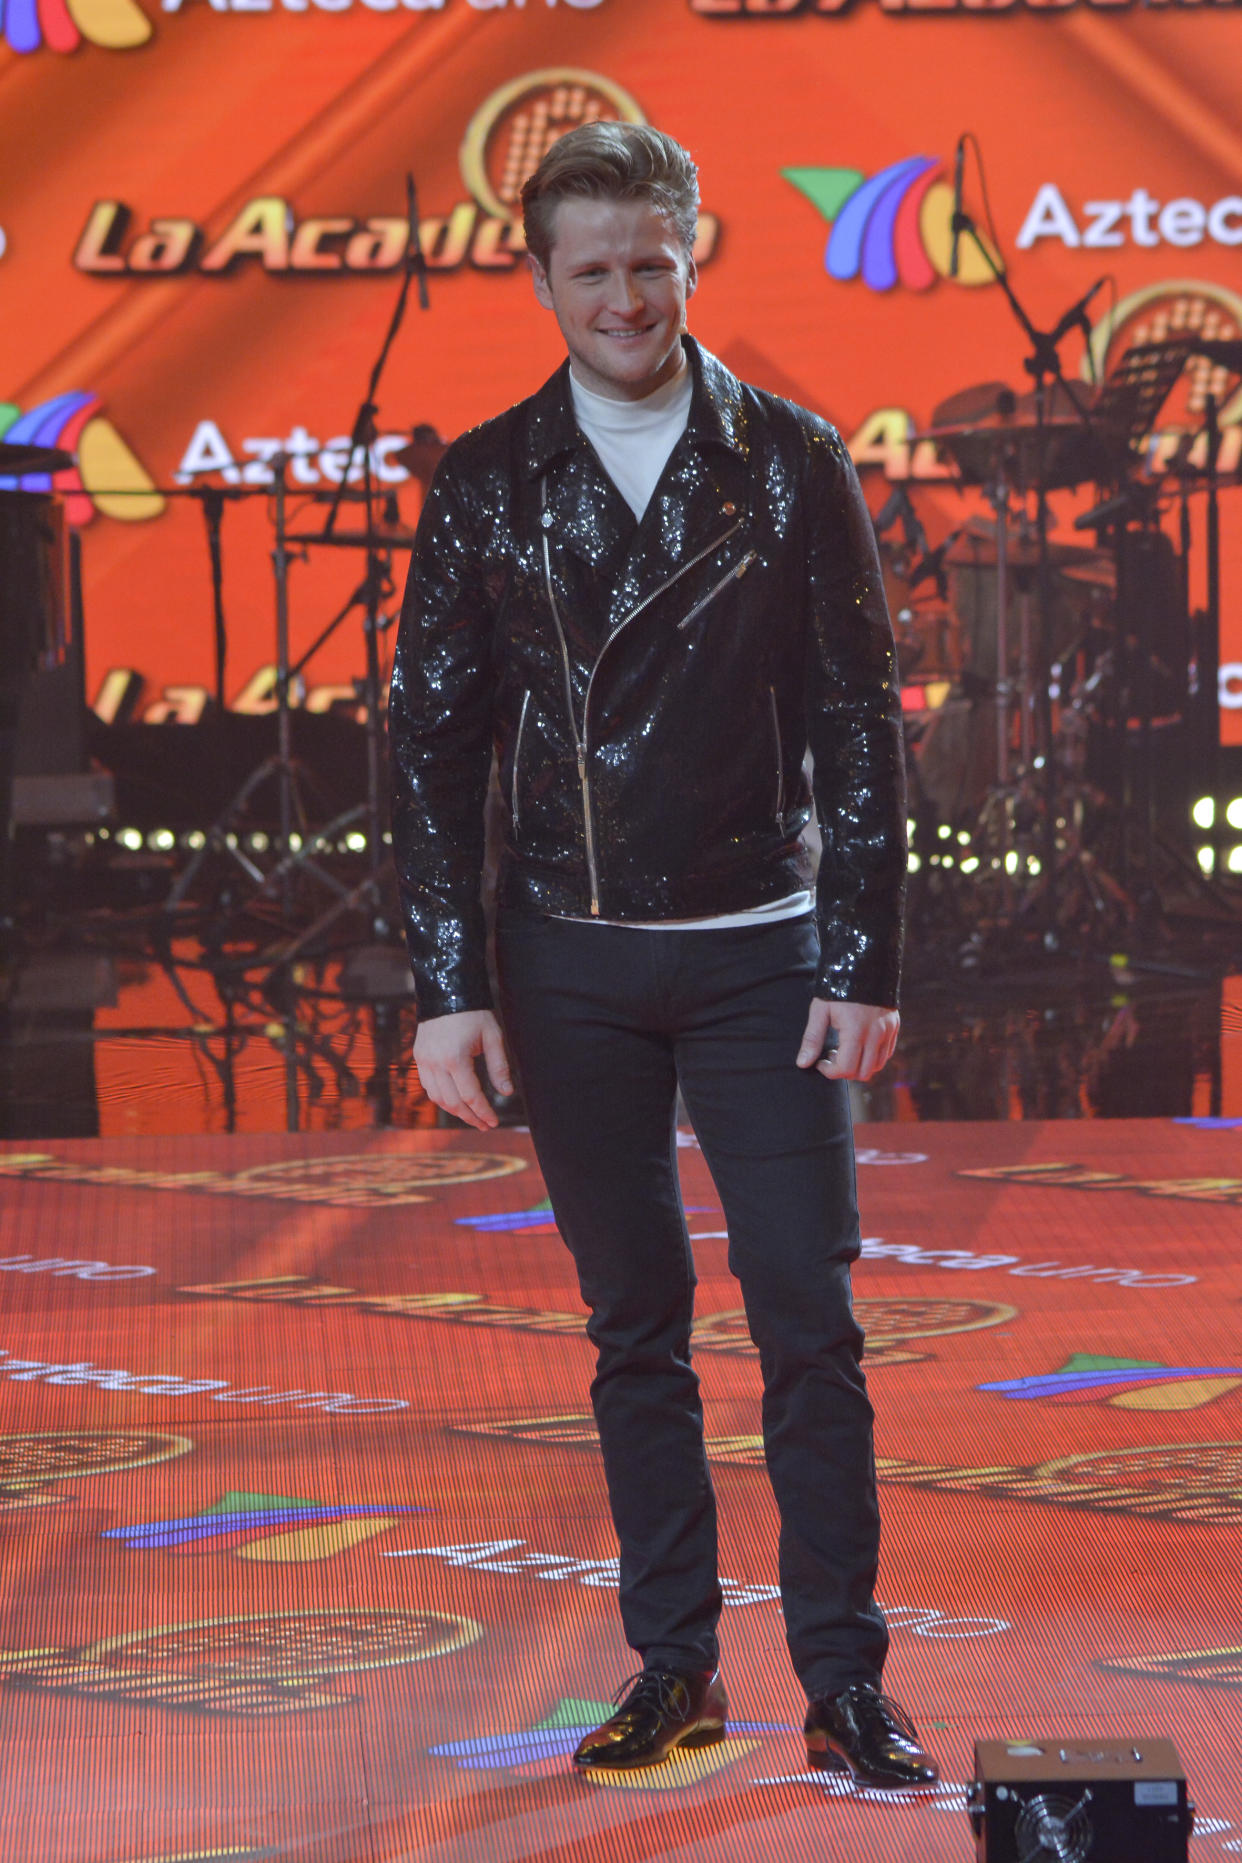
<point>649,689</point>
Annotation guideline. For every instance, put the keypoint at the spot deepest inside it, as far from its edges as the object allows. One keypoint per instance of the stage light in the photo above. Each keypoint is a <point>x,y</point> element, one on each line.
<point>1203,813</point>
<point>130,838</point>
<point>1034,864</point>
<point>1233,814</point>
<point>963,837</point>
<point>258,842</point>
<point>387,837</point>
<point>944,831</point>
<point>913,863</point>
<point>195,839</point>
<point>946,860</point>
<point>1207,858</point>
<point>230,840</point>
<point>356,842</point>
<point>161,840</point>
<point>1234,862</point>
<point>1011,862</point>
<point>969,865</point>
<point>295,843</point>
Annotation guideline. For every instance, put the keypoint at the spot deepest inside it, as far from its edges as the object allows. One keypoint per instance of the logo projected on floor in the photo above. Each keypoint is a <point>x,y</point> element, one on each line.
<point>273,1529</point>
<point>1084,1177</point>
<point>253,1666</point>
<point>1199,1482</point>
<point>1206,1668</point>
<point>889,1324</point>
<point>1124,1383</point>
<point>892,228</point>
<point>355,1181</point>
<point>30,1464</point>
<point>106,476</point>
<point>544,1750</point>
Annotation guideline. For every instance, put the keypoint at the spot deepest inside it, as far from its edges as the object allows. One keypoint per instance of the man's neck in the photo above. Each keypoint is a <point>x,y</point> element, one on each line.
<point>665,382</point>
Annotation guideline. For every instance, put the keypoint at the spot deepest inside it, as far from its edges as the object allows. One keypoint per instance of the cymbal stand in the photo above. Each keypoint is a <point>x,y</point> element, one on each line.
<point>223,836</point>
<point>374,589</point>
<point>1043,365</point>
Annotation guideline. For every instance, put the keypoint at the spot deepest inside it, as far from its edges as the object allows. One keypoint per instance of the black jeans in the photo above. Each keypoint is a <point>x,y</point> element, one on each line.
<point>603,1023</point>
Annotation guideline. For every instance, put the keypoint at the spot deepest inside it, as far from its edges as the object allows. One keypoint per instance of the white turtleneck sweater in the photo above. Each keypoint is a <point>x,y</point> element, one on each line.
<point>633,440</point>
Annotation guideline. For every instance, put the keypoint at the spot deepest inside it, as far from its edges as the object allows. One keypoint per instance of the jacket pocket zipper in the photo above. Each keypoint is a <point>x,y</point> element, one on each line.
<point>734,575</point>
<point>780,767</point>
<point>517,753</point>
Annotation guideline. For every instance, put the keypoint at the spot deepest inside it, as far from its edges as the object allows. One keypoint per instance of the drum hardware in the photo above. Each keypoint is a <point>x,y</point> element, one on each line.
<point>372,592</point>
<point>18,458</point>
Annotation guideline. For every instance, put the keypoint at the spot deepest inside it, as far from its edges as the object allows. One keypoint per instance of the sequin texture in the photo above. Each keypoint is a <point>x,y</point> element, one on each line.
<point>668,677</point>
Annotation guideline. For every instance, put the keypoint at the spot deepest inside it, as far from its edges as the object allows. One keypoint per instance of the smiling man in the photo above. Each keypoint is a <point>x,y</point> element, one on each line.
<point>648,590</point>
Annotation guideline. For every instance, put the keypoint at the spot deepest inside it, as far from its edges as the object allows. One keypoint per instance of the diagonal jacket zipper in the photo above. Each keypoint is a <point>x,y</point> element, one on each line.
<point>580,737</point>
<point>734,575</point>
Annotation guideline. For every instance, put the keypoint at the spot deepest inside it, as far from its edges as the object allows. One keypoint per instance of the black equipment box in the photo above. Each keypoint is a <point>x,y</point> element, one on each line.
<point>1054,1800</point>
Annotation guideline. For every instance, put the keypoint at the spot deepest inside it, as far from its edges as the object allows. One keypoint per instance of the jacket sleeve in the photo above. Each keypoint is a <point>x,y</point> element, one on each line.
<point>439,729</point>
<point>855,735</point>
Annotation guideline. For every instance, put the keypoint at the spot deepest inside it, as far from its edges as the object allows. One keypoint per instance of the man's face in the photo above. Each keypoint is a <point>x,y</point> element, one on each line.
<point>617,281</point>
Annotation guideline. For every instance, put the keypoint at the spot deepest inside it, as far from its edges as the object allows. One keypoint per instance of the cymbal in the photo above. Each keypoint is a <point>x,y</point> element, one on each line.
<point>975,548</point>
<point>18,459</point>
<point>989,430</point>
<point>423,454</point>
<point>394,539</point>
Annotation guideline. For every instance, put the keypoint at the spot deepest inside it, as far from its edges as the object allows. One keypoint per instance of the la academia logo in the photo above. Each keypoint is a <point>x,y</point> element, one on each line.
<point>106,476</point>
<point>892,228</point>
<point>62,25</point>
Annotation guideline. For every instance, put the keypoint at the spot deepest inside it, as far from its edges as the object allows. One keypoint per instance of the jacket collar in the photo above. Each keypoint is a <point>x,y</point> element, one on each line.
<point>717,412</point>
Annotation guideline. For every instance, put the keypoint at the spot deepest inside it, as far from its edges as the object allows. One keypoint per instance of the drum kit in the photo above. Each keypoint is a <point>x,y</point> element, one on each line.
<point>1043,674</point>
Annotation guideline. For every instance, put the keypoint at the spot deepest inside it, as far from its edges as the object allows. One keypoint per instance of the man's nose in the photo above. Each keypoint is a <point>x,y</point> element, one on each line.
<point>624,296</point>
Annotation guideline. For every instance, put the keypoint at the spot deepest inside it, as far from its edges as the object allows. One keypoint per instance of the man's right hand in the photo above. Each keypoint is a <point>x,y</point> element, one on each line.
<point>444,1053</point>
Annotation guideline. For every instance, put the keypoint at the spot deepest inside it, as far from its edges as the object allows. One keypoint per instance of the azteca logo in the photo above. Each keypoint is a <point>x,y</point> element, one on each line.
<point>106,475</point>
<point>892,228</point>
<point>61,25</point>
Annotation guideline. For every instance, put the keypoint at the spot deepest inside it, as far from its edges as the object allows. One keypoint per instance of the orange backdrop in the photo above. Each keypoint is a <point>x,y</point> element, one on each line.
<point>281,134</point>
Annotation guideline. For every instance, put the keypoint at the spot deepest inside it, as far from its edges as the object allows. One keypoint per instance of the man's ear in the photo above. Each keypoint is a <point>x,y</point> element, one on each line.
<point>539,278</point>
<point>692,278</point>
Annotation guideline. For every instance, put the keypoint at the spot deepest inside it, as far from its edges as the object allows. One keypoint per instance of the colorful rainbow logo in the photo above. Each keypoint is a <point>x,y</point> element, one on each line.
<point>107,476</point>
<point>275,1528</point>
<point>892,229</point>
<point>61,25</point>
<point>1125,1383</point>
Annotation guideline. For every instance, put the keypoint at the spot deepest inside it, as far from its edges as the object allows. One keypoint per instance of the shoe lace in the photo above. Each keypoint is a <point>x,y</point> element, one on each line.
<point>661,1689</point>
<point>883,1707</point>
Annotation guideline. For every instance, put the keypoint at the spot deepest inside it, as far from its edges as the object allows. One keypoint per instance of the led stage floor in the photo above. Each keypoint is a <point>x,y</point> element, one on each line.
<point>307,1553</point>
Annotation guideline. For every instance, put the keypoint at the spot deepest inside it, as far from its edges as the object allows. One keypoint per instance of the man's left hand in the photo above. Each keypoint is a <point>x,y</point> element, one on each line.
<point>865,1036</point>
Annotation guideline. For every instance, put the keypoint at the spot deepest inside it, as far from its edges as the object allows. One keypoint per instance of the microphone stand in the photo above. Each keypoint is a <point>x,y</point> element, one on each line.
<point>370,594</point>
<point>1042,365</point>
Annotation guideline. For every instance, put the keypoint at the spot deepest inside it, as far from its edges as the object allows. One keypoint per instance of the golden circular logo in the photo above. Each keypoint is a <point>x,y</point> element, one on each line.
<point>28,1462</point>
<point>1165,313</point>
<point>372,1180</point>
<point>1183,1470</point>
<point>509,134</point>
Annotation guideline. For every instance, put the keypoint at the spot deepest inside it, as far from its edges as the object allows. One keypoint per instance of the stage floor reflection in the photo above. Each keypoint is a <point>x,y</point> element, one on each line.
<point>307,1550</point>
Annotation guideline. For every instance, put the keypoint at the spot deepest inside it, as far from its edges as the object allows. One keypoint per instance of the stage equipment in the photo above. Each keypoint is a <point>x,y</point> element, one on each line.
<point>375,589</point>
<point>33,638</point>
<point>17,460</point>
<point>1049,1800</point>
<point>297,845</point>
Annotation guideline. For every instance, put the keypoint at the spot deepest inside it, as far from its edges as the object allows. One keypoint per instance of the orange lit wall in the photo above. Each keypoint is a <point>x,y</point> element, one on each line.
<point>199,209</point>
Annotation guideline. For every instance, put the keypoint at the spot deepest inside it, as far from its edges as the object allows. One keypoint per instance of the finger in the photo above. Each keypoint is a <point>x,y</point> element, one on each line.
<point>471,1103</point>
<point>816,1036</point>
<point>497,1061</point>
<point>843,1063</point>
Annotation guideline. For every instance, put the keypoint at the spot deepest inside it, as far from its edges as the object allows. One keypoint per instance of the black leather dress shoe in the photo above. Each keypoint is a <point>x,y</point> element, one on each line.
<point>863,1733</point>
<point>665,1708</point>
